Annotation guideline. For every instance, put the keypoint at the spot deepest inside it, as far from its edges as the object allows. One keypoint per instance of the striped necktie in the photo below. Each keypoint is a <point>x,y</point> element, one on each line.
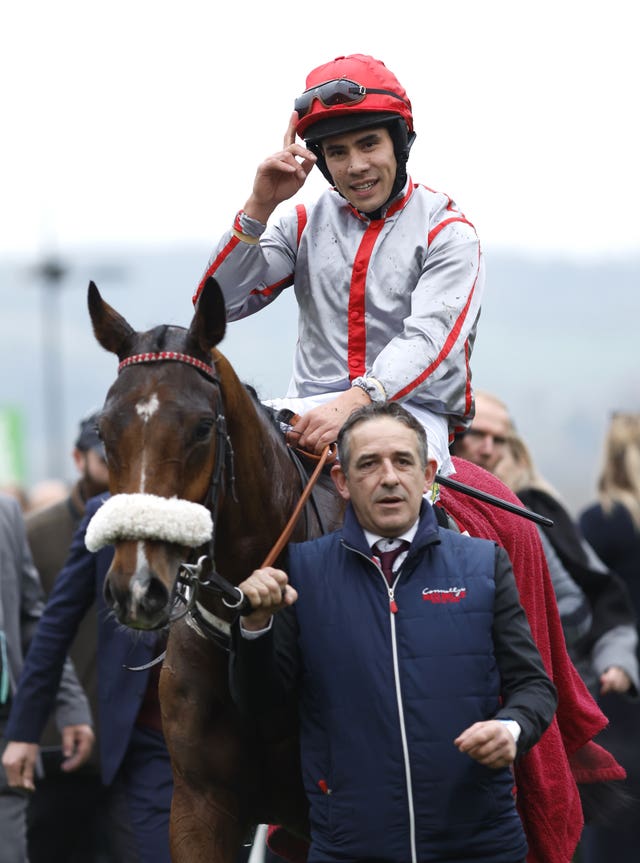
<point>387,558</point>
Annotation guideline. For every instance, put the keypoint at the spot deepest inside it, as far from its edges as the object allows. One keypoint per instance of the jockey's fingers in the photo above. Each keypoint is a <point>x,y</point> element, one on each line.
<point>278,162</point>
<point>289,142</point>
<point>290,134</point>
<point>317,443</point>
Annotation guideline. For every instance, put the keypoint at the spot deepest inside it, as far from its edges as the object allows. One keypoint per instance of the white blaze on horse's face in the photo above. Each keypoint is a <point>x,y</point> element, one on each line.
<point>146,409</point>
<point>139,583</point>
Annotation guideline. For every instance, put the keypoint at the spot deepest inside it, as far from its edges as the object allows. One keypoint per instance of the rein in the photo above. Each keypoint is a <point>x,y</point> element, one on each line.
<point>284,537</point>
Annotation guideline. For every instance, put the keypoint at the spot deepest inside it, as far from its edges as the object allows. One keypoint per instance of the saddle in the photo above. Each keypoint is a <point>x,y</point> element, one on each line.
<point>324,504</point>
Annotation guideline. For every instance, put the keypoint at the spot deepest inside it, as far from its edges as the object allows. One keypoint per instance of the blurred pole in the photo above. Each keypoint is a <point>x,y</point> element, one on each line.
<point>52,273</point>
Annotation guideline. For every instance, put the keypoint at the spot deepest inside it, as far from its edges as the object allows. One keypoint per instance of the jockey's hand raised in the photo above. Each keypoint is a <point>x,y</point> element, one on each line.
<point>269,591</point>
<point>280,176</point>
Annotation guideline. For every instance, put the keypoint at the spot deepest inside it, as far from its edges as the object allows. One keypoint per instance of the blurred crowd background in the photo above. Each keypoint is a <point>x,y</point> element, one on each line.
<point>561,357</point>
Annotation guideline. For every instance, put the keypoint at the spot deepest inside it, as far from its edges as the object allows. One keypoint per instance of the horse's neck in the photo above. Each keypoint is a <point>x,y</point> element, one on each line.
<point>266,484</point>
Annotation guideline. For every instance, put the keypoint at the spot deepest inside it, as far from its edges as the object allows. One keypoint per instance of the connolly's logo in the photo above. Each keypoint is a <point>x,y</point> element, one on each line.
<point>450,594</point>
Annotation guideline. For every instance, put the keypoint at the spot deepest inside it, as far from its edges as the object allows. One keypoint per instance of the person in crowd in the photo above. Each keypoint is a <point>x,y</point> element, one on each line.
<point>21,605</point>
<point>601,633</point>
<point>418,681</point>
<point>612,527</point>
<point>66,820</point>
<point>134,760</point>
<point>19,492</point>
<point>483,442</point>
<point>46,493</point>
<point>388,274</point>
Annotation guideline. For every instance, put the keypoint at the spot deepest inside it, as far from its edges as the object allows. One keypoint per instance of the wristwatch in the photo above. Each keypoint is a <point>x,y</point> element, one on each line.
<point>372,387</point>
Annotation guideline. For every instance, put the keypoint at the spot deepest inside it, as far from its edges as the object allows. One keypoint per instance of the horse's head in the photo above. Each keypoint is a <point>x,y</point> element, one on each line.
<point>161,429</point>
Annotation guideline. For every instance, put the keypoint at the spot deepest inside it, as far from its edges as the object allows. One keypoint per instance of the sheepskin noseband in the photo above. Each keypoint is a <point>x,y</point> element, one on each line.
<point>147,516</point>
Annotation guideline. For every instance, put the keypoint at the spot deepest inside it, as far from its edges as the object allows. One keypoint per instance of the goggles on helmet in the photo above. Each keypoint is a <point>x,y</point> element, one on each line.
<point>340,91</point>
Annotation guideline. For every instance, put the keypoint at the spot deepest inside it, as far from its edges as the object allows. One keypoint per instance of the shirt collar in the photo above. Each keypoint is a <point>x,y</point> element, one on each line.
<point>373,538</point>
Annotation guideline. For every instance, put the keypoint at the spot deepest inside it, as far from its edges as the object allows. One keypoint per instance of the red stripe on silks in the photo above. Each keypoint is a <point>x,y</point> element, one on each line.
<point>357,335</point>
<point>301,211</point>
<point>468,396</point>
<point>448,345</point>
<point>233,242</point>
<point>266,292</point>
<point>435,231</point>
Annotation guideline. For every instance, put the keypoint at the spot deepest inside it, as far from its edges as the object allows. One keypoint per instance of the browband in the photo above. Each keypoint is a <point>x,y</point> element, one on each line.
<point>161,356</point>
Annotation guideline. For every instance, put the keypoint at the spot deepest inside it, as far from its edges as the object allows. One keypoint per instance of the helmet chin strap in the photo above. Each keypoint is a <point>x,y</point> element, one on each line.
<point>402,143</point>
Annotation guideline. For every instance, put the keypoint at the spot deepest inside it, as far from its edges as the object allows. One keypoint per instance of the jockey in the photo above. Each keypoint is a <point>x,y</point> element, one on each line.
<point>388,274</point>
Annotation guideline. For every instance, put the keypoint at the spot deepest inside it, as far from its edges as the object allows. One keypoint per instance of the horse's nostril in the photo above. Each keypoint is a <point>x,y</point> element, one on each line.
<point>157,596</point>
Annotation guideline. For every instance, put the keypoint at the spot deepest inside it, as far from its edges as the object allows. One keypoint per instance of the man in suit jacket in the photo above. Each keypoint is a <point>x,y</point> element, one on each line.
<point>133,756</point>
<point>65,818</point>
<point>21,605</point>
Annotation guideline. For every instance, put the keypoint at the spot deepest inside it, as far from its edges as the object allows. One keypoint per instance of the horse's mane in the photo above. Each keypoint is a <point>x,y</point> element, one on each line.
<point>268,412</point>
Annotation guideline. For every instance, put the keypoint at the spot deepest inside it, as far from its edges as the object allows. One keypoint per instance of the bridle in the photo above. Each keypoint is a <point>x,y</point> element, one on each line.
<point>191,578</point>
<point>194,578</point>
<point>223,466</point>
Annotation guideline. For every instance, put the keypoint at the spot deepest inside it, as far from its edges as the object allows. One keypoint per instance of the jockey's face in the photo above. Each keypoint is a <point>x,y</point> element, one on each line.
<point>484,443</point>
<point>363,166</point>
<point>385,479</point>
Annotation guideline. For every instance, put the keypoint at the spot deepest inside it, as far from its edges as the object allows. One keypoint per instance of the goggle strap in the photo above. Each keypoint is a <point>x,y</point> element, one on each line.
<point>304,102</point>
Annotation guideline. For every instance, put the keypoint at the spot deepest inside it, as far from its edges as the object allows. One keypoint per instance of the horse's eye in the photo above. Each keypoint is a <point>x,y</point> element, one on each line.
<point>202,431</point>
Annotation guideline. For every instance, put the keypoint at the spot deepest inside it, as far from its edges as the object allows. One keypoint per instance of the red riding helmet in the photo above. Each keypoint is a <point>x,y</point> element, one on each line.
<point>350,93</point>
<point>357,88</point>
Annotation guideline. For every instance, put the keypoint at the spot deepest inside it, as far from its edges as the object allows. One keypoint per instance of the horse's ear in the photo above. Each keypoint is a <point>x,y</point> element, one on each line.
<point>210,320</point>
<point>110,328</point>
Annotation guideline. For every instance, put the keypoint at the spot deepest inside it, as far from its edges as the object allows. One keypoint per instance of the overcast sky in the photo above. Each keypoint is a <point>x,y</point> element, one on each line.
<point>143,122</point>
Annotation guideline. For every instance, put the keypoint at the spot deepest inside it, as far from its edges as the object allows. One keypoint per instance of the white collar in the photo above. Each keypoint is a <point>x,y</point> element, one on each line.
<point>373,538</point>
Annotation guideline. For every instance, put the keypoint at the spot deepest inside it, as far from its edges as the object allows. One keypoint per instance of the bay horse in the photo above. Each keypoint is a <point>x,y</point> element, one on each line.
<point>196,463</point>
<point>181,430</point>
